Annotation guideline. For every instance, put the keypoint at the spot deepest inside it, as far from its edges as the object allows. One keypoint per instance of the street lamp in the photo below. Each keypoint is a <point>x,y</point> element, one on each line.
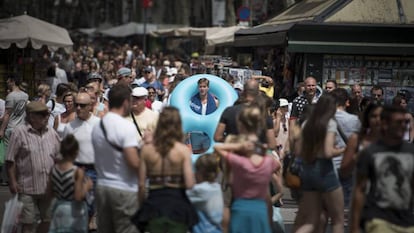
<point>145,5</point>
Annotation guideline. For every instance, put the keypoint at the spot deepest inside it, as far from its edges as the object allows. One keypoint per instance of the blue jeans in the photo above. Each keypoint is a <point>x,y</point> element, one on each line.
<point>347,184</point>
<point>319,176</point>
<point>90,196</point>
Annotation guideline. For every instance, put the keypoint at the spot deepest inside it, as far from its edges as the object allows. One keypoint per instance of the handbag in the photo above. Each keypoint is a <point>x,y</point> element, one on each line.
<point>12,210</point>
<point>291,172</point>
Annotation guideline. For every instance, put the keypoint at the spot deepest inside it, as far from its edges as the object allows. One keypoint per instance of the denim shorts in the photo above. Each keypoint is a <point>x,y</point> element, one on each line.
<point>319,176</point>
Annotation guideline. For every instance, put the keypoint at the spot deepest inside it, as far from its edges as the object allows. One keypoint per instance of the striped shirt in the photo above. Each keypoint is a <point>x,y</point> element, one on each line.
<point>34,154</point>
<point>63,183</point>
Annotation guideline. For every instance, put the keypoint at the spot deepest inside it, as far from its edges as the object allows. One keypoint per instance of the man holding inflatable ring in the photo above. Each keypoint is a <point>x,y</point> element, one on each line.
<point>203,102</point>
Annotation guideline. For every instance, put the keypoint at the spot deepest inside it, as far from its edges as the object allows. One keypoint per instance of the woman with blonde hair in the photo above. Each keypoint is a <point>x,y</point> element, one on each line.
<point>43,93</point>
<point>166,164</point>
<point>319,181</point>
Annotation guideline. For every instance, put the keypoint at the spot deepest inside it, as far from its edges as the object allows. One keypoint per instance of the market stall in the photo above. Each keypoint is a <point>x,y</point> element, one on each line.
<point>22,40</point>
<point>21,30</point>
<point>369,42</point>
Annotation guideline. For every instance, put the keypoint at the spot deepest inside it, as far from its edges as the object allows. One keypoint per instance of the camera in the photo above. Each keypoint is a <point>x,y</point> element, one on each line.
<point>265,84</point>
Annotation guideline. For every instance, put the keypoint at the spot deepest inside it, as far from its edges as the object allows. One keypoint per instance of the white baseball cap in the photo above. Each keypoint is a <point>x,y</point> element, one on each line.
<point>139,92</point>
<point>172,71</point>
<point>283,102</point>
<point>238,85</point>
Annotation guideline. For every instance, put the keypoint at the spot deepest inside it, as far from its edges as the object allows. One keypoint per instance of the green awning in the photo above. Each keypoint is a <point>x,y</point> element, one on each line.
<point>352,39</point>
<point>271,39</point>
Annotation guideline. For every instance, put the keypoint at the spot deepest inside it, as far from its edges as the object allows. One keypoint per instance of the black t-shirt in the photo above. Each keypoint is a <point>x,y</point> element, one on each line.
<point>229,118</point>
<point>390,174</point>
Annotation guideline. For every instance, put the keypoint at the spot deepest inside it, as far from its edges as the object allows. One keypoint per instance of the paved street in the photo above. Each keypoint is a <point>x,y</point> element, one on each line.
<point>288,210</point>
<point>4,196</point>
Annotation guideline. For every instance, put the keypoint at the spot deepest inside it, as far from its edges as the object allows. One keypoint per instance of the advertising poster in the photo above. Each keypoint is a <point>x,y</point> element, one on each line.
<point>242,75</point>
<point>393,74</point>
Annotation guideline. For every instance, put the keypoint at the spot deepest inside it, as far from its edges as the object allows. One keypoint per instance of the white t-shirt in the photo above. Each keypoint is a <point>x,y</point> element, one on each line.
<point>207,197</point>
<point>139,81</point>
<point>111,167</point>
<point>2,107</point>
<point>57,110</point>
<point>157,106</point>
<point>82,130</point>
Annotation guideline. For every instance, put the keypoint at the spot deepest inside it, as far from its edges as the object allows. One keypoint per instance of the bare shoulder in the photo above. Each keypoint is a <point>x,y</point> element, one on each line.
<point>79,173</point>
<point>147,150</point>
<point>182,148</point>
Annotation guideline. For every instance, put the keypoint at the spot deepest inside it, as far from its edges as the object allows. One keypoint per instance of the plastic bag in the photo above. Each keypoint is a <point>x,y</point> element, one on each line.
<point>2,152</point>
<point>278,224</point>
<point>11,215</point>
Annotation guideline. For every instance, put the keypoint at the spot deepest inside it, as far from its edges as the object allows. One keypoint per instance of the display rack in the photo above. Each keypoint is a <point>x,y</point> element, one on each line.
<point>391,73</point>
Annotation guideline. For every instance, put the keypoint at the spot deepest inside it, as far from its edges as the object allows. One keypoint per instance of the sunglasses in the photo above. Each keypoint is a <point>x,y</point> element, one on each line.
<point>139,97</point>
<point>94,80</point>
<point>81,105</point>
<point>401,122</point>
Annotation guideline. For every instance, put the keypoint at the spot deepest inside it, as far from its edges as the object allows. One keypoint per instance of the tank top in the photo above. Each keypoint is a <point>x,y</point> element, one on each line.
<point>407,132</point>
<point>63,183</point>
<point>283,135</point>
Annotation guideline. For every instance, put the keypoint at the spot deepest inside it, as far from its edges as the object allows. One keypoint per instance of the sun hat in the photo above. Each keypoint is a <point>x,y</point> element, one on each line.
<point>139,92</point>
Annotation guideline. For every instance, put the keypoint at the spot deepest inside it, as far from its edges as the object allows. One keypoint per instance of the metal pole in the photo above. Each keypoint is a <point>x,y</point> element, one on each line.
<point>251,13</point>
<point>144,41</point>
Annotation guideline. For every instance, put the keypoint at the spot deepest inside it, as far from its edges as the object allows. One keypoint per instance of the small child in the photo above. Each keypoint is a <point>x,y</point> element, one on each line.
<point>206,195</point>
<point>69,185</point>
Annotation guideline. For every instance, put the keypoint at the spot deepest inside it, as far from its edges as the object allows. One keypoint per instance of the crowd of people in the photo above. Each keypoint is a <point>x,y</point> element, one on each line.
<point>345,140</point>
<point>100,148</point>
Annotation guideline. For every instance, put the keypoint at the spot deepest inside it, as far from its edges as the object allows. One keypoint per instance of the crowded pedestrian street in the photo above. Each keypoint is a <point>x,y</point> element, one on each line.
<point>288,211</point>
<point>207,116</point>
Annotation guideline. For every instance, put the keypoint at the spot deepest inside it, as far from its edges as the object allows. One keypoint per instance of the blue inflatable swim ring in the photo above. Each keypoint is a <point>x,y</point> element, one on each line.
<point>180,98</point>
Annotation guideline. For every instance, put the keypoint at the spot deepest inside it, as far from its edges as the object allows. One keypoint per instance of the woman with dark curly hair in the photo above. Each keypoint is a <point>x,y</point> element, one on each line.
<point>166,163</point>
